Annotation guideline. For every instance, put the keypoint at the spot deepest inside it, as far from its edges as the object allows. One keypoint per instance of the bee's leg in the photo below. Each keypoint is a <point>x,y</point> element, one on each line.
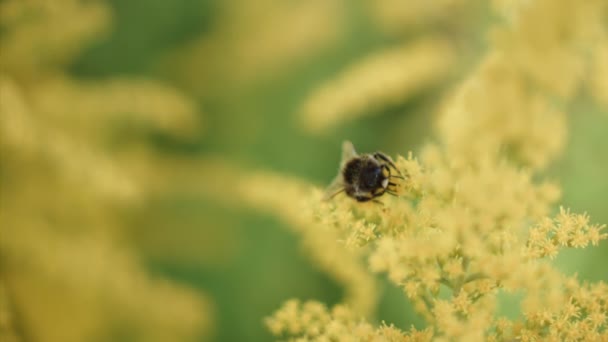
<point>392,193</point>
<point>379,192</point>
<point>388,160</point>
<point>391,188</point>
<point>386,171</point>
<point>329,195</point>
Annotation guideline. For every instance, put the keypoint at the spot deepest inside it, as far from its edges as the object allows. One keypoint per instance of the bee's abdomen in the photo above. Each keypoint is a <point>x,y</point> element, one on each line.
<point>351,171</point>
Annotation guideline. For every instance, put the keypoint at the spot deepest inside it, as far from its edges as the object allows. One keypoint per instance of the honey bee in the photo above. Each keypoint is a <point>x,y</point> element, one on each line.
<point>364,177</point>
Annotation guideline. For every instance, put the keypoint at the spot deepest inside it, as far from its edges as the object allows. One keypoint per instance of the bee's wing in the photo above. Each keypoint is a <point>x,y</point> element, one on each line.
<point>337,185</point>
<point>334,188</point>
<point>348,152</point>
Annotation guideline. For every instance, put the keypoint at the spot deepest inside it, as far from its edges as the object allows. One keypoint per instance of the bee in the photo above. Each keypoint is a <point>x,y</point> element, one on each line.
<point>364,177</point>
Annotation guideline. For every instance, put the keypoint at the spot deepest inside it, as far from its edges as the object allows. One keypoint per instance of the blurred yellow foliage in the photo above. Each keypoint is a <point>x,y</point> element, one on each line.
<point>393,18</point>
<point>599,79</point>
<point>318,237</point>
<point>473,220</point>
<point>379,81</point>
<point>40,37</point>
<point>254,40</point>
<point>67,271</point>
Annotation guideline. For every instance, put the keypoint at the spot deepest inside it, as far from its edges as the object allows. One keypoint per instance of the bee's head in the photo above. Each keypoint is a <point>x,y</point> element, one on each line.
<point>372,178</point>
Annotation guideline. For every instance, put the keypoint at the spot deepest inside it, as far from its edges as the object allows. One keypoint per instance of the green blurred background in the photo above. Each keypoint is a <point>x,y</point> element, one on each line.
<point>249,263</point>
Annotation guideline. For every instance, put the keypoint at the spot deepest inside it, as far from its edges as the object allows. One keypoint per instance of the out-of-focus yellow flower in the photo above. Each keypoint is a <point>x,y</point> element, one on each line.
<point>384,79</point>
<point>39,36</point>
<point>497,108</point>
<point>599,78</point>
<point>255,40</point>
<point>141,103</point>
<point>67,272</point>
<point>548,40</point>
<point>397,17</point>
<point>297,205</point>
<point>509,103</point>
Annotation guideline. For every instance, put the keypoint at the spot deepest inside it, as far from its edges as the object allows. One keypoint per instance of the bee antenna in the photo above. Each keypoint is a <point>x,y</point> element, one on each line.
<point>327,197</point>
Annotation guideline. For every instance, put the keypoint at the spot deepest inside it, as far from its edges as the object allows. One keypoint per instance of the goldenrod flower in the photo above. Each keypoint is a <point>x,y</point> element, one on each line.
<point>473,217</point>
<point>380,80</point>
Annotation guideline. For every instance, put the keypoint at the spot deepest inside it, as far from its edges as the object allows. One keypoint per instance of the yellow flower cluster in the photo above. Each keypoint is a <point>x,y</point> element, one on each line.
<point>565,230</point>
<point>461,236</point>
<point>383,79</point>
<point>472,222</point>
<point>581,316</point>
<point>511,103</point>
<point>495,107</point>
<point>452,234</point>
<point>552,56</point>
<point>449,232</point>
<point>313,321</point>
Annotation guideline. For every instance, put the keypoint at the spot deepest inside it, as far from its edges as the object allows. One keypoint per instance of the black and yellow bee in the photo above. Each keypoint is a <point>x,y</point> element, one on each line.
<point>364,176</point>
